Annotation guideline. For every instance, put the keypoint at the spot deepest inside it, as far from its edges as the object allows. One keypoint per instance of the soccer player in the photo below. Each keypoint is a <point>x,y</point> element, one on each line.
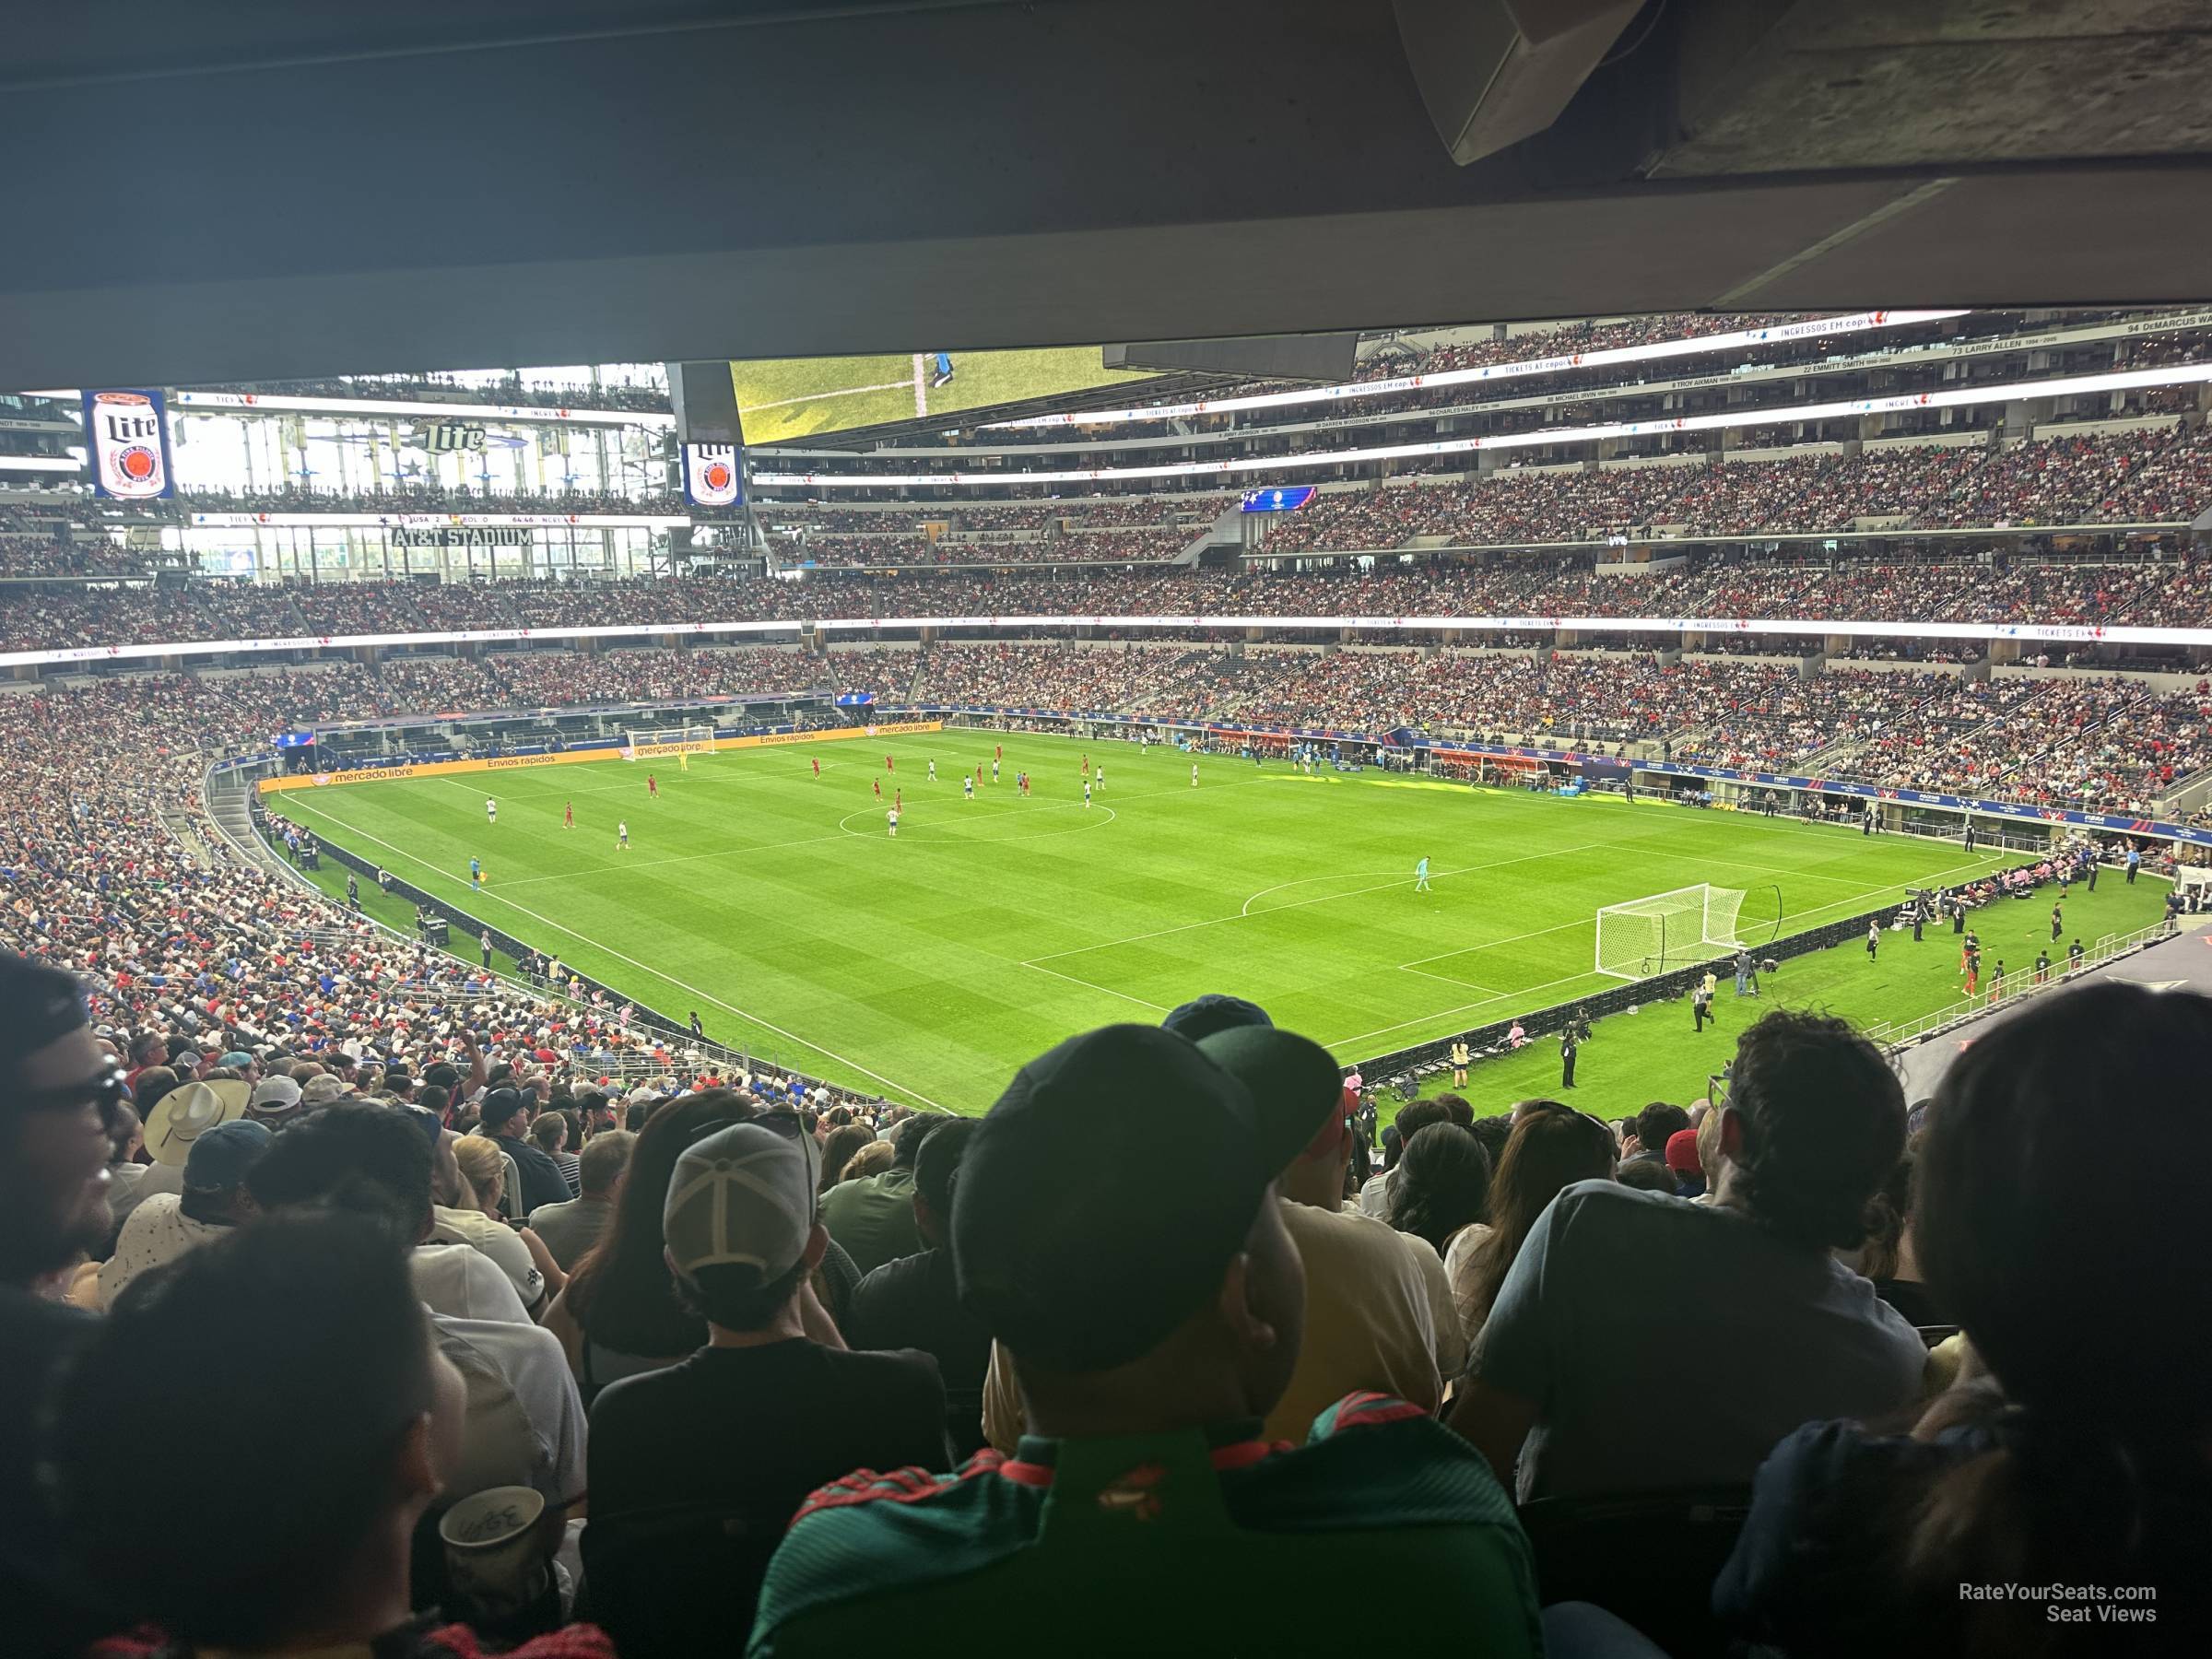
<point>568,815</point>
<point>1101,775</point>
<point>653,787</point>
<point>877,786</point>
<point>887,764</point>
<point>818,766</point>
<point>898,799</point>
<point>622,835</point>
<point>1194,774</point>
<point>979,772</point>
<point>943,376</point>
<point>491,809</point>
<point>1420,876</point>
<point>968,786</point>
<point>994,770</point>
<point>1086,795</point>
<point>476,872</point>
<point>2057,923</point>
<point>893,817</point>
<point>1086,766</point>
<point>998,751</point>
<point>932,771</point>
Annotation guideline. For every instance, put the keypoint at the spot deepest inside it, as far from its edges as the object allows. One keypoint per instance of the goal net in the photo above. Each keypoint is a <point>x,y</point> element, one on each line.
<point>661,743</point>
<point>1667,930</point>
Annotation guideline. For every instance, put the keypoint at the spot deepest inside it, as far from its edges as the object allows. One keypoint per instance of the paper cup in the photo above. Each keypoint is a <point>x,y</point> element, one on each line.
<point>494,1556</point>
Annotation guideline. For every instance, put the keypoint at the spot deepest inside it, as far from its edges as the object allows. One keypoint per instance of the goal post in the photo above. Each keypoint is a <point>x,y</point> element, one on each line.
<point>1662,930</point>
<point>662,743</point>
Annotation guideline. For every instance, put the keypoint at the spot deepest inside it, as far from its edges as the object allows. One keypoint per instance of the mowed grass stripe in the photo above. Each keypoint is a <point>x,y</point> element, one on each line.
<point>777,892</point>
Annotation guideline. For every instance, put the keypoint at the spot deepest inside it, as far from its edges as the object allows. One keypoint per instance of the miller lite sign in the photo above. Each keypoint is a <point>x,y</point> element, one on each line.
<point>446,437</point>
<point>130,445</point>
<point>710,474</point>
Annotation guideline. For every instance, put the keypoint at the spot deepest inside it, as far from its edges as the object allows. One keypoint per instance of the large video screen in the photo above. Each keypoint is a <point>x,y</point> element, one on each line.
<point>781,399</point>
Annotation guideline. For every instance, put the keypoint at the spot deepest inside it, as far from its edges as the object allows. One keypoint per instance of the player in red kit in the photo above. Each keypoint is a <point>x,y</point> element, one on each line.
<point>899,799</point>
<point>998,751</point>
<point>887,764</point>
<point>653,787</point>
<point>878,787</point>
<point>1086,766</point>
<point>568,816</point>
<point>979,772</point>
<point>818,769</point>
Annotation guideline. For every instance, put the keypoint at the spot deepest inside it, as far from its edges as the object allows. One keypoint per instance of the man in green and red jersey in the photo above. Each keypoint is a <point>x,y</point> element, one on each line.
<point>1115,1226</point>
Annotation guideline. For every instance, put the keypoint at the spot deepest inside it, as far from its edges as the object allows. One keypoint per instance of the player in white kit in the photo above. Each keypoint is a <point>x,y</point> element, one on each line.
<point>491,809</point>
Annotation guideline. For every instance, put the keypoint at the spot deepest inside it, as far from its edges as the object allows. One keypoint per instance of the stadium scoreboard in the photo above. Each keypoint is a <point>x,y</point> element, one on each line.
<point>1289,498</point>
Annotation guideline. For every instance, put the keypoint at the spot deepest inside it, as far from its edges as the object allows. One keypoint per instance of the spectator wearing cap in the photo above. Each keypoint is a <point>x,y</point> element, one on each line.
<point>244,1064</point>
<point>294,1315</point>
<point>914,1302</point>
<point>322,1089</point>
<point>1682,1163</point>
<point>873,1217</point>
<point>1738,1314</point>
<point>524,1423</point>
<point>58,1094</point>
<point>1148,1506</point>
<point>2059,1173</point>
<point>275,1102</point>
<point>1378,1311</point>
<point>506,1119</point>
<point>570,1229</point>
<point>215,1199</point>
<point>753,1421</point>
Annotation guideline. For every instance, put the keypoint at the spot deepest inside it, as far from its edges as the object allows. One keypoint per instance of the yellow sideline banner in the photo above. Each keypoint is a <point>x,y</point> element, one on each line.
<point>644,752</point>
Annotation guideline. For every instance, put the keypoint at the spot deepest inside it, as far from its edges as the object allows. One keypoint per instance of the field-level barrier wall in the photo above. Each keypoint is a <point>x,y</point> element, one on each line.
<point>1490,1040</point>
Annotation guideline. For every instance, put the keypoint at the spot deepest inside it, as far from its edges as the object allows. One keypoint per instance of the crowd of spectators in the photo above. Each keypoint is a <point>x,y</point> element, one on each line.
<point>2149,476</point>
<point>752,1361</point>
<point>2171,590</point>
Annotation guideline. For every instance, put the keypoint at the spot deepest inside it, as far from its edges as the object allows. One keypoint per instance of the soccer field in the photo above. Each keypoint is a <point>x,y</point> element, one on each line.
<point>784,398</point>
<point>928,968</point>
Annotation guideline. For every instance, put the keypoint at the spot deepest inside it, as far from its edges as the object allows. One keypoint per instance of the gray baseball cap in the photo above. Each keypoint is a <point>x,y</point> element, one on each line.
<point>743,1196</point>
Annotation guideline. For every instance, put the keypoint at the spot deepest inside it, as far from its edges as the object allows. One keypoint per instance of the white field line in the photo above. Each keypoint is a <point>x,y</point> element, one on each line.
<point>1104,990</point>
<point>667,979</point>
<point>816,396</point>
<point>920,387</point>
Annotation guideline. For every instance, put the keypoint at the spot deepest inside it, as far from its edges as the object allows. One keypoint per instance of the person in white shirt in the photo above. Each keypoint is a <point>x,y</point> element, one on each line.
<point>525,1419</point>
<point>491,810</point>
<point>214,1200</point>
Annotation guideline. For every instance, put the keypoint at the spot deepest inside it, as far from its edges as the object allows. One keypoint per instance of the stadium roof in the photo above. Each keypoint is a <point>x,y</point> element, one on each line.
<point>264,190</point>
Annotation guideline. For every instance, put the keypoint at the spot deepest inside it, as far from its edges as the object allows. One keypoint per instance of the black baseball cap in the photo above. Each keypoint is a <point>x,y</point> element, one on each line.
<point>1203,1016</point>
<point>1111,1183</point>
<point>499,1106</point>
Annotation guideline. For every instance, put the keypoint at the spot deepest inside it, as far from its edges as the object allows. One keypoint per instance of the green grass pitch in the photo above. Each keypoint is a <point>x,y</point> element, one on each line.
<point>930,967</point>
<point>783,399</point>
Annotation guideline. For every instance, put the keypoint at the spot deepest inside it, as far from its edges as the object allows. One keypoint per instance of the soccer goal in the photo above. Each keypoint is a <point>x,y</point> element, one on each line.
<point>1667,930</point>
<point>661,743</point>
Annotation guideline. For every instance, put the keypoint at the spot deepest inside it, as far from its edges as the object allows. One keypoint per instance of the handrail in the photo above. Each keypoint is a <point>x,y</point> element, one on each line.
<point>1898,1035</point>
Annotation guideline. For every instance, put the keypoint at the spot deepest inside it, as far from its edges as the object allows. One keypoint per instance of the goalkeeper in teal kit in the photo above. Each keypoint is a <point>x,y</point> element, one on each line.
<point>1420,876</point>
